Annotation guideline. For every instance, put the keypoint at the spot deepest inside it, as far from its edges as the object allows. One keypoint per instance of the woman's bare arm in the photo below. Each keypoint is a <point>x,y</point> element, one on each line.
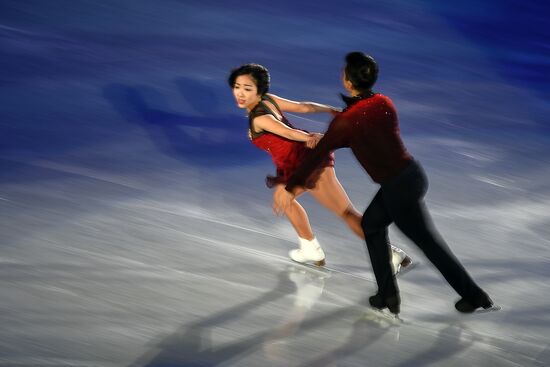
<point>269,123</point>
<point>302,107</point>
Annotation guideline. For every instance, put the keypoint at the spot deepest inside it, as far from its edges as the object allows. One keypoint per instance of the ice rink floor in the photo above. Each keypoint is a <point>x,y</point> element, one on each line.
<point>106,271</point>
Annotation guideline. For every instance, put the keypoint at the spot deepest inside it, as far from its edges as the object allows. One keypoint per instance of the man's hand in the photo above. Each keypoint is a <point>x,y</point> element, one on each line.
<point>281,200</point>
<point>313,140</point>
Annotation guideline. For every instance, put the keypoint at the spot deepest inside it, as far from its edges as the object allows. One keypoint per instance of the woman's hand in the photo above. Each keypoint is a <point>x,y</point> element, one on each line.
<point>313,139</point>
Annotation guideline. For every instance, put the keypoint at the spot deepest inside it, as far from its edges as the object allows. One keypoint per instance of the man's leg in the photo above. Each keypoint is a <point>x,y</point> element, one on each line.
<point>416,224</point>
<point>375,224</point>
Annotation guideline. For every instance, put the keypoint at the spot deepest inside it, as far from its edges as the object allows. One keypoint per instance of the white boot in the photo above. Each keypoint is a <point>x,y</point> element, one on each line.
<point>399,258</point>
<point>308,251</point>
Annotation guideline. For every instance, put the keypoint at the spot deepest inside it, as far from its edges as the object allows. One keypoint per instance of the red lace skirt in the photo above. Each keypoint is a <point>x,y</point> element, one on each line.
<point>291,161</point>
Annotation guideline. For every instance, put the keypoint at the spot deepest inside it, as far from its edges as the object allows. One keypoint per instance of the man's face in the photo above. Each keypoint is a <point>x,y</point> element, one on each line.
<point>345,82</point>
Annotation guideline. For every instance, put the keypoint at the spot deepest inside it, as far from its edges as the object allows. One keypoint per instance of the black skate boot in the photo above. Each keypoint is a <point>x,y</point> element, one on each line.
<point>392,303</point>
<point>469,306</point>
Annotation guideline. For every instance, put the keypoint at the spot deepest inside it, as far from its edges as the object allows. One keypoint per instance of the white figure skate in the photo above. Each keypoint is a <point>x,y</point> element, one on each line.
<point>399,260</point>
<point>309,251</point>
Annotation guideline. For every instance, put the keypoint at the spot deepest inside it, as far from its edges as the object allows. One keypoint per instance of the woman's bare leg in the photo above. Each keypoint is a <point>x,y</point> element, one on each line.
<point>297,216</point>
<point>329,192</point>
<point>309,249</point>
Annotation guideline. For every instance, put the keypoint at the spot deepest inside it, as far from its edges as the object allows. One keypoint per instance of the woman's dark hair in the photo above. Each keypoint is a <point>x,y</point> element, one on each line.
<point>361,70</point>
<point>258,72</point>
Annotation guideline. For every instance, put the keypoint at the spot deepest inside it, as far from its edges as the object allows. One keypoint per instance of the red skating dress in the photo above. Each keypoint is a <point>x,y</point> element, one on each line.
<point>286,154</point>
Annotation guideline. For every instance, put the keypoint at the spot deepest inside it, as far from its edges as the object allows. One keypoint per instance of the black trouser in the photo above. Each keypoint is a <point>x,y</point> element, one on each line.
<point>400,201</point>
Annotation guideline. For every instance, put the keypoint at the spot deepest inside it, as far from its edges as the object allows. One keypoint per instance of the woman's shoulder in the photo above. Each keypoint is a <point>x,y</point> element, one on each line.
<point>259,110</point>
<point>270,97</point>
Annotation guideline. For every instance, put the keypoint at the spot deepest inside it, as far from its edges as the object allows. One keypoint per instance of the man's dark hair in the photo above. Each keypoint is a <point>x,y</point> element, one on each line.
<point>361,70</point>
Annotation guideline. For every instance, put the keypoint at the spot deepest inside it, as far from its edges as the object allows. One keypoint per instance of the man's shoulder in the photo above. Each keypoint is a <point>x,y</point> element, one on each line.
<point>380,98</point>
<point>374,101</point>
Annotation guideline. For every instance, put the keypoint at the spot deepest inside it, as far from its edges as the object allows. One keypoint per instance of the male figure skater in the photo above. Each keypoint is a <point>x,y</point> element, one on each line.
<point>369,126</point>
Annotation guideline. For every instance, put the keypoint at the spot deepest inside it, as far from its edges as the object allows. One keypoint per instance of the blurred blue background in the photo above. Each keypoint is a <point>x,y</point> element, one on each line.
<point>80,73</point>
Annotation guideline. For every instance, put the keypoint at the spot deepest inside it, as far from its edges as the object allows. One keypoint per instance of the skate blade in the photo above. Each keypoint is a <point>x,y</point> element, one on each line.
<point>404,270</point>
<point>320,263</point>
<point>490,309</point>
<point>319,269</point>
<point>382,317</point>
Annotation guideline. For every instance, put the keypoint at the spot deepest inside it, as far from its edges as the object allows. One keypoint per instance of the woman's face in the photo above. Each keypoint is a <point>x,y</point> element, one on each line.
<point>246,92</point>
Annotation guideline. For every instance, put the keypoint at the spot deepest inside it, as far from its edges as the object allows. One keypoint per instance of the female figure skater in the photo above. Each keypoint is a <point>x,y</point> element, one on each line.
<point>369,126</point>
<point>270,131</point>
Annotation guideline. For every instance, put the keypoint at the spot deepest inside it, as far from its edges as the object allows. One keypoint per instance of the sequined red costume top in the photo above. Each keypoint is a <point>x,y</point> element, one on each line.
<point>369,126</point>
<point>286,154</point>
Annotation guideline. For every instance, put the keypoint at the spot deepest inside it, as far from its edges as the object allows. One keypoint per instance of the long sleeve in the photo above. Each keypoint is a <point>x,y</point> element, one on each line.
<point>337,136</point>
